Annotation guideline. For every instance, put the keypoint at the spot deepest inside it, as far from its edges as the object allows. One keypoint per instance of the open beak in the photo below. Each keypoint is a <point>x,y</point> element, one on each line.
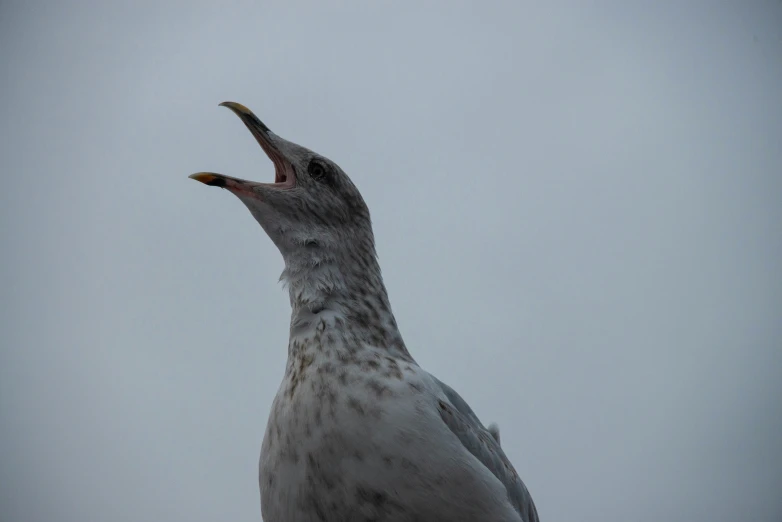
<point>284,174</point>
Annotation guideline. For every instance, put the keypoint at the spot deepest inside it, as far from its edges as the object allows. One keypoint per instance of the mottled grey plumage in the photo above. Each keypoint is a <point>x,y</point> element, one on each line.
<point>358,431</point>
<point>465,424</point>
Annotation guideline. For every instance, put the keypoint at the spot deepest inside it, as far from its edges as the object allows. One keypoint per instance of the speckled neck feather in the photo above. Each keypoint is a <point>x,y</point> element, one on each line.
<point>335,283</point>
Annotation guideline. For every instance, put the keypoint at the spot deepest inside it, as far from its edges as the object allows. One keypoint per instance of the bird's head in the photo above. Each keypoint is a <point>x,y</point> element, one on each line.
<point>312,204</point>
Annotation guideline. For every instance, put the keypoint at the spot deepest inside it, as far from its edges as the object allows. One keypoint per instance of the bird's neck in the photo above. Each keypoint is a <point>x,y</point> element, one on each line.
<point>338,297</point>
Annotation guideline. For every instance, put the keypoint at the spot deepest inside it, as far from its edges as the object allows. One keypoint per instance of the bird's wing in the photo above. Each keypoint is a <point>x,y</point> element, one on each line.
<point>479,441</point>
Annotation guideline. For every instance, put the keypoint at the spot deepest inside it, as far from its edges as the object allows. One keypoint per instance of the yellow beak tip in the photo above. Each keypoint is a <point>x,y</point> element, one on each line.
<point>236,107</point>
<point>204,177</point>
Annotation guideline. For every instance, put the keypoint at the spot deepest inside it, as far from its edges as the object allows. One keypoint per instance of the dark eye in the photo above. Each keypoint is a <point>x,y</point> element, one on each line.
<point>317,171</point>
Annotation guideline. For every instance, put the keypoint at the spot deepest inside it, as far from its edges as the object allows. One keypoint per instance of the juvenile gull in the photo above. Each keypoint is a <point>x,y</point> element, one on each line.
<point>358,431</point>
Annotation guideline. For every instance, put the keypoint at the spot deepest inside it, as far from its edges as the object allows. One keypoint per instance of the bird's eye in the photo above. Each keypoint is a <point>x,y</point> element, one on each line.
<point>317,170</point>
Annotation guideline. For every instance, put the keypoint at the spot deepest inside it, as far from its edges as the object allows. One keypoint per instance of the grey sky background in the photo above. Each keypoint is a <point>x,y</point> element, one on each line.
<point>577,211</point>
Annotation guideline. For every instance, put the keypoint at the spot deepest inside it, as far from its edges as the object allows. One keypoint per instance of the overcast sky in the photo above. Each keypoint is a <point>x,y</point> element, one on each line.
<point>577,212</point>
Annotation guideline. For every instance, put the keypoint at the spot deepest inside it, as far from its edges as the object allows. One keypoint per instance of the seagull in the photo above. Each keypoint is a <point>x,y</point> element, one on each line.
<point>358,431</point>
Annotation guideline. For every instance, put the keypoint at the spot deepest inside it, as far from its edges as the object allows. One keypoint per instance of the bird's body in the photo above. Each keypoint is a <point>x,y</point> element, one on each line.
<point>357,430</point>
<point>355,443</point>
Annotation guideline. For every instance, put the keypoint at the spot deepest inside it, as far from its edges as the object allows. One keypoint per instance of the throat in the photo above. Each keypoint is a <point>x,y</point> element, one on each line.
<point>339,302</point>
